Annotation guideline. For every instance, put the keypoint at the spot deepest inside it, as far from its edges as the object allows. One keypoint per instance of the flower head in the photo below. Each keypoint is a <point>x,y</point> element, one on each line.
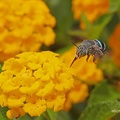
<point>114,43</point>
<point>33,82</point>
<point>91,8</point>
<point>24,26</point>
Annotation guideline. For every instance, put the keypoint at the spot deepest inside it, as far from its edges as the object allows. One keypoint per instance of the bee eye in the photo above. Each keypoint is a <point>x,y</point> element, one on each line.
<point>104,48</point>
<point>101,45</point>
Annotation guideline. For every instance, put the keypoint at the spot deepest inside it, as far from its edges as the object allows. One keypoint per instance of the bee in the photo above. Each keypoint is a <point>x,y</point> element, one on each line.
<point>96,48</point>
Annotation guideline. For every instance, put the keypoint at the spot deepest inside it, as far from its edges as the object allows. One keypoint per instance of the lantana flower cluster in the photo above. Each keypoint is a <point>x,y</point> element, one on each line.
<point>32,82</point>
<point>91,8</point>
<point>24,26</point>
<point>114,43</point>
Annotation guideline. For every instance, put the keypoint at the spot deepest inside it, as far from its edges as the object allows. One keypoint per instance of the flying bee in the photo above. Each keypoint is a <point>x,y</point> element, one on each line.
<point>96,48</point>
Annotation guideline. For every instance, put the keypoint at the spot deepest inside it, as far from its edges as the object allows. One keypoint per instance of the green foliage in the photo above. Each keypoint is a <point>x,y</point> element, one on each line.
<point>114,5</point>
<point>26,117</point>
<point>39,118</point>
<point>0,67</point>
<point>103,92</point>
<point>100,111</point>
<point>51,115</point>
<point>110,69</point>
<point>3,113</point>
<point>102,101</point>
<point>117,117</point>
<point>93,31</point>
<point>62,115</point>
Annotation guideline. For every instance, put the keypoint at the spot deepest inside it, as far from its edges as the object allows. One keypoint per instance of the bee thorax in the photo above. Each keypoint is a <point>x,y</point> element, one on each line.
<point>81,51</point>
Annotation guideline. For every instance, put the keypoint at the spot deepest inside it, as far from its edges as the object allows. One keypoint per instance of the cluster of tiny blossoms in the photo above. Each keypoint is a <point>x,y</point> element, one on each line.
<point>32,82</point>
<point>114,43</point>
<point>24,23</point>
<point>91,8</point>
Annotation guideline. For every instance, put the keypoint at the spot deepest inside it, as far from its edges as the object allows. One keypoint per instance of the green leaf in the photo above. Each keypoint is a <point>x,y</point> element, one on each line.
<point>93,31</point>
<point>0,67</point>
<point>102,102</point>
<point>103,92</point>
<point>96,29</point>
<point>100,111</point>
<point>3,113</point>
<point>114,5</point>
<point>51,114</point>
<point>63,50</point>
<point>39,118</point>
<point>117,117</point>
<point>25,117</point>
<point>62,115</point>
<point>86,21</point>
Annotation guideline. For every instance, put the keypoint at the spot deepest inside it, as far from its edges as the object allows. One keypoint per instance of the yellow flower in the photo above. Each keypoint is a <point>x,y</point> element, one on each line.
<point>24,26</point>
<point>35,109</point>
<point>32,82</point>
<point>114,43</point>
<point>86,71</point>
<point>12,103</point>
<point>91,8</point>
<point>15,113</point>
<point>77,94</point>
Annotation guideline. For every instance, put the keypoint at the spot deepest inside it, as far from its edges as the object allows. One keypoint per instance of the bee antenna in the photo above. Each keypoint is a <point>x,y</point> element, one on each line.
<point>74,44</point>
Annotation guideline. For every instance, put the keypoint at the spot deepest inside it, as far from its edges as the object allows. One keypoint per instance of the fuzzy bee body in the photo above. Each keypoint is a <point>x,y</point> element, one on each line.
<point>90,47</point>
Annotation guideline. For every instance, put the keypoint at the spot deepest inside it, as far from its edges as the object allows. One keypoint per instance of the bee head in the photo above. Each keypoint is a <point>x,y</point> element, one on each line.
<point>101,45</point>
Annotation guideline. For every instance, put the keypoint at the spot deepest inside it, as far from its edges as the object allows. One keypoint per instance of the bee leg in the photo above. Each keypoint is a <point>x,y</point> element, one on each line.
<point>87,57</point>
<point>94,58</point>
